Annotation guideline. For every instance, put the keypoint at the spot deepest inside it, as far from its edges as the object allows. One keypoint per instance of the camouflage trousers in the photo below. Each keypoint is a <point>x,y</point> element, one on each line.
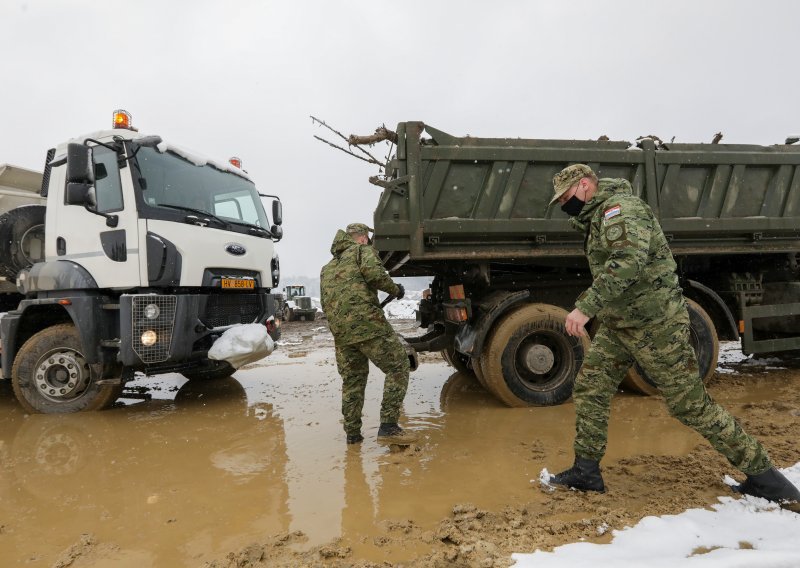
<point>389,356</point>
<point>664,353</point>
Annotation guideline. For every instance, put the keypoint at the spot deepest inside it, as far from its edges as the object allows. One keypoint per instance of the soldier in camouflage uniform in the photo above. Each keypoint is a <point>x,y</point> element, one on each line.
<point>643,318</point>
<point>350,284</point>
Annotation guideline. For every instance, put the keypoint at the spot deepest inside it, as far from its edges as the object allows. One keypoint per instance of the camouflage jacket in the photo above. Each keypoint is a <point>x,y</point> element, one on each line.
<point>350,284</point>
<point>634,280</point>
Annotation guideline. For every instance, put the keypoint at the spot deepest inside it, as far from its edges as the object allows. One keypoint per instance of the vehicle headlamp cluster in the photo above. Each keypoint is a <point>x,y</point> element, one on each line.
<point>150,337</point>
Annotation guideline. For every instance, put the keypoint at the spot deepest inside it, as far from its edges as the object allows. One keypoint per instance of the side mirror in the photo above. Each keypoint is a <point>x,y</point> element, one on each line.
<point>277,232</point>
<point>79,164</point>
<point>277,212</point>
<point>79,194</point>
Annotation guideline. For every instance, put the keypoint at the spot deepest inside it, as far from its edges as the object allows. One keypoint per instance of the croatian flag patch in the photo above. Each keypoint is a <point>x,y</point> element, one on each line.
<point>611,212</point>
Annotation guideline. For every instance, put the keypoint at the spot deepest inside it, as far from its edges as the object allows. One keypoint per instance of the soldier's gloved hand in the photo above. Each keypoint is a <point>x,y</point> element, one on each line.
<point>400,291</point>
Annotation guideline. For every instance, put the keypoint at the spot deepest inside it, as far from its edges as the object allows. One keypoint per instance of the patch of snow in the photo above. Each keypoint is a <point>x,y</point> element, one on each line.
<point>405,308</point>
<point>544,481</point>
<point>737,532</point>
<point>730,352</point>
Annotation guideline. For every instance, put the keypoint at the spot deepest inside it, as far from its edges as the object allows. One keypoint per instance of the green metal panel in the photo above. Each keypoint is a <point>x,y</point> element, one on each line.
<point>751,345</point>
<point>487,197</point>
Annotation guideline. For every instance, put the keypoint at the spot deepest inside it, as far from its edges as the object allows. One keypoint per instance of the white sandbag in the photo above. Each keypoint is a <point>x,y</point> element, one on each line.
<point>242,344</point>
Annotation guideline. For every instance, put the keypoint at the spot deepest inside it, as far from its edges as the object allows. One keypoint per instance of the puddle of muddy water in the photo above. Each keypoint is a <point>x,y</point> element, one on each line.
<point>199,470</point>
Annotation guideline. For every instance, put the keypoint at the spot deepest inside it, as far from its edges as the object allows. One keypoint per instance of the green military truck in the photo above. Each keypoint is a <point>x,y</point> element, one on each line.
<point>472,213</point>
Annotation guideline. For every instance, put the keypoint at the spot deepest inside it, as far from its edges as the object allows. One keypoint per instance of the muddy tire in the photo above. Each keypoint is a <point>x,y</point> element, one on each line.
<point>529,359</point>
<point>477,368</point>
<point>289,314</point>
<point>21,239</point>
<point>704,340</point>
<point>50,374</point>
<point>211,371</point>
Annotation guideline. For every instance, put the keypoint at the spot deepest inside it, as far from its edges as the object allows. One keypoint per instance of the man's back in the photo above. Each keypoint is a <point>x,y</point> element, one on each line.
<point>349,284</point>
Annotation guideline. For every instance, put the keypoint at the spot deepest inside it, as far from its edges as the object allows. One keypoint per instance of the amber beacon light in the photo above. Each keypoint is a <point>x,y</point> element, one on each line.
<point>236,162</point>
<point>122,119</point>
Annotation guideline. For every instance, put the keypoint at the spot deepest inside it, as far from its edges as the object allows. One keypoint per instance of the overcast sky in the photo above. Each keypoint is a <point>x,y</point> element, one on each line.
<point>241,78</point>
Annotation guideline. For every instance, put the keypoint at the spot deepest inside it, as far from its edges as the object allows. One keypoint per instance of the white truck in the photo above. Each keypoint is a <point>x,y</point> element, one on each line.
<point>150,254</point>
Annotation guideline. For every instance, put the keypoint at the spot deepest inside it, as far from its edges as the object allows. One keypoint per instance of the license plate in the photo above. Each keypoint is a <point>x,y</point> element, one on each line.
<point>238,283</point>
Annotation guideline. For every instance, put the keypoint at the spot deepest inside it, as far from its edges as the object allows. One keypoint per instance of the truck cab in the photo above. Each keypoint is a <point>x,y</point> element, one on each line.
<point>151,253</point>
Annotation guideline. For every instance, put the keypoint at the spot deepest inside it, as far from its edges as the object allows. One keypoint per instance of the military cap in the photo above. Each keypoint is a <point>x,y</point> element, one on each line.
<point>568,177</point>
<point>358,228</point>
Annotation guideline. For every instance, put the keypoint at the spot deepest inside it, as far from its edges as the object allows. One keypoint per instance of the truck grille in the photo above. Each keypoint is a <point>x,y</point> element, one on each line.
<point>230,309</point>
<point>162,325</point>
<point>303,302</point>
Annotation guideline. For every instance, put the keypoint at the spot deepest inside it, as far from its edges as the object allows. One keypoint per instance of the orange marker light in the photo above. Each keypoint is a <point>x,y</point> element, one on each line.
<point>237,162</point>
<point>122,119</point>
<point>457,292</point>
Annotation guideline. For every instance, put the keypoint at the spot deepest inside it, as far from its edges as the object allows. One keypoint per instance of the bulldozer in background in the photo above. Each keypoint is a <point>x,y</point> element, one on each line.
<point>298,306</point>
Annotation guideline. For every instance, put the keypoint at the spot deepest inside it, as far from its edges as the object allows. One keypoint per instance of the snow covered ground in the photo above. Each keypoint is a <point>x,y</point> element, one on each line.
<point>736,532</point>
<point>747,532</point>
<point>396,309</point>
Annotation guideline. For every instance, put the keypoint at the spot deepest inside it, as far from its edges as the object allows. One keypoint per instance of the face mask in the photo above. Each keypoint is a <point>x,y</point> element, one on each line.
<point>573,206</point>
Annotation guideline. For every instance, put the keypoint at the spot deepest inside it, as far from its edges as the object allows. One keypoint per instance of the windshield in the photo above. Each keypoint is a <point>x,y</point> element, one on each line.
<point>168,181</point>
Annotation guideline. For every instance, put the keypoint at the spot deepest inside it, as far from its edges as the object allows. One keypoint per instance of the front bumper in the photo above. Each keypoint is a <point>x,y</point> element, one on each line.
<point>186,325</point>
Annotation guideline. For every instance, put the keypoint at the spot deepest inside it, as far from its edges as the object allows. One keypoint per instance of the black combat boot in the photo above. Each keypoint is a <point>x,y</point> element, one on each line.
<point>355,438</point>
<point>583,475</point>
<point>772,485</point>
<point>391,433</point>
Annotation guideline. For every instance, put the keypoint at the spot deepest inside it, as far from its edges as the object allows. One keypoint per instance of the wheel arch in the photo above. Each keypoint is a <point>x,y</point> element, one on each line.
<point>715,307</point>
<point>17,328</point>
<point>32,316</point>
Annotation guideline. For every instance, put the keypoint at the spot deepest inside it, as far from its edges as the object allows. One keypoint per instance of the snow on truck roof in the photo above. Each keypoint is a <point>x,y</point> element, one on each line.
<point>189,155</point>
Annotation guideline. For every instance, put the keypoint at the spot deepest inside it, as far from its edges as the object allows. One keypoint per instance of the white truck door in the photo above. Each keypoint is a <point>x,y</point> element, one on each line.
<point>110,254</point>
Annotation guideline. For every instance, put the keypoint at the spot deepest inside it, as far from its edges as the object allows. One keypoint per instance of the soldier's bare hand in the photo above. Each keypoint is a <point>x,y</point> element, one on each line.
<point>575,322</point>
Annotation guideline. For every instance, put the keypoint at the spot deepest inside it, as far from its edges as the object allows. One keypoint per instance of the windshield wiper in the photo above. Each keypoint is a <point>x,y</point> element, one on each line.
<point>198,211</point>
<point>251,226</point>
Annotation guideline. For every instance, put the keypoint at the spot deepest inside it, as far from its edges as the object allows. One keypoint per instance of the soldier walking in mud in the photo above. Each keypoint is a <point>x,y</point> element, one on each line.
<point>350,284</point>
<point>643,318</point>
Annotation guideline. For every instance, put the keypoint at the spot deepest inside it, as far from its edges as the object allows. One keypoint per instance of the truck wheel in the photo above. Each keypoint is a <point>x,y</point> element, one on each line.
<point>530,359</point>
<point>477,368</point>
<point>50,374</point>
<point>21,239</point>
<point>289,314</point>
<point>704,340</point>
<point>212,370</point>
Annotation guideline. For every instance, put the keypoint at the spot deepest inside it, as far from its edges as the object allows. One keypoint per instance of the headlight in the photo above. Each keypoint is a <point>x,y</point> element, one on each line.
<point>151,311</point>
<point>149,337</point>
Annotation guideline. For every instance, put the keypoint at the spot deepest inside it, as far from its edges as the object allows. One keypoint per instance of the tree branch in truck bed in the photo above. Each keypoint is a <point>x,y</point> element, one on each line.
<point>372,159</point>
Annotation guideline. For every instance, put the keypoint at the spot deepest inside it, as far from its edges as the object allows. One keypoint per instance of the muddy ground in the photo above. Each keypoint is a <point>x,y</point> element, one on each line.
<point>254,471</point>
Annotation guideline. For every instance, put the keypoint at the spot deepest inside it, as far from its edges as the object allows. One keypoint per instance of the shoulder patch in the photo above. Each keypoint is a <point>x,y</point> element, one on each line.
<point>615,232</point>
<point>611,212</point>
